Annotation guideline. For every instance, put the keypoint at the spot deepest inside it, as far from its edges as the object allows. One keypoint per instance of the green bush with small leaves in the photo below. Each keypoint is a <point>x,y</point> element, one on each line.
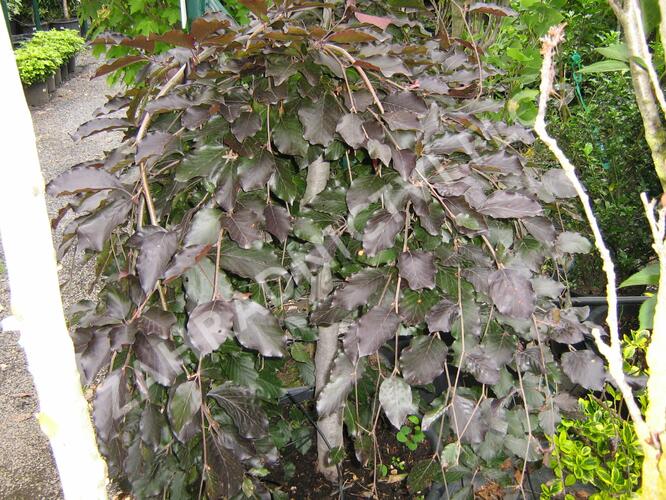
<point>37,63</point>
<point>601,448</point>
<point>66,42</point>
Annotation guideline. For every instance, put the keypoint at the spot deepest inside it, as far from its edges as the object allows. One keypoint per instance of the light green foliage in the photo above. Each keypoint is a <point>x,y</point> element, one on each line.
<point>601,448</point>
<point>66,42</point>
<point>45,52</point>
<point>411,434</point>
<point>36,64</point>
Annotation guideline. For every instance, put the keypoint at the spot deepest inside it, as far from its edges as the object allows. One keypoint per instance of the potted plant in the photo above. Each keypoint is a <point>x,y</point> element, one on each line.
<point>66,42</point>
<point>66,22</point>
<point>37,66</point>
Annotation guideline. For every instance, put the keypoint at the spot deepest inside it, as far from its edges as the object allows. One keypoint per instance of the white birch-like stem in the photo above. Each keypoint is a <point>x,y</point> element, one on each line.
<point>612,352</point>
<point>331,425</point>
<point>35,297</point>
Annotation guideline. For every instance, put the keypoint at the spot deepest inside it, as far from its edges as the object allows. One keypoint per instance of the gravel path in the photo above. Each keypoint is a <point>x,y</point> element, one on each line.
<point>27,470</point>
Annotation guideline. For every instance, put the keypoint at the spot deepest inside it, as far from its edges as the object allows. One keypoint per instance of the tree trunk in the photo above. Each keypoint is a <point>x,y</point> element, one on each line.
<point>330,426</point>
<point>35,297</point>
<point>65,9</point>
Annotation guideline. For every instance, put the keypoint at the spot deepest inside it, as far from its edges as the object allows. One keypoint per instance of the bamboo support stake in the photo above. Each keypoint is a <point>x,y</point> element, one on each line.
<point>35,298</point>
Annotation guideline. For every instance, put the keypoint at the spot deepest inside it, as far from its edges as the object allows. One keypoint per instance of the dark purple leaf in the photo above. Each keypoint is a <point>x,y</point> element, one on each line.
<point>256,328</point>
<point>82,179</point>
<point>360,287</point>
<point>258,7</point>
<point>389,65</point>
<point>564,326</point>
<point>541,228</point>
<point>460,142</point>
<point>570,242</point>
<point>363,191</point>
<point>433,85</point>
<point>318,173</point>
<point>441,316</point>
<point>278,222</point>
<point>492,9</point>
<point>319,120</point>
<point>512,293</point>
<point>423,360</point>
<point>395,396</point>
<point>556,181</point>
<point>375,328</point>
<point>288,137</point>
<point>224,474</point>
<point>246,125</point>
<point>157,358</point>
<point>204,228</point>
<point>209,325</point>
<point>255,172</point>
<point>402,120</point>
<point>184,260</point>
<point>281,68</point>
<point>404,101</point>
<point>166,103</point>
<point>240,404</point>
<point>109,409</point>
<point>404,162</point>
<point>155,321</point>
<point>154,256</point>
<point>194,117</point>
<point>379,151</point>
<point>501,163</point>
<point>465,419</point>
<point>506,204</point>
<point>153,146</point>
<point>418,268</point>
<point>183,410</point>
<point>119,63</point>
<point>381,230</point>
<point>94,351</point>
<point>121,336</point>
<point>242,227</point>
<point>94,230</point>
<point>483,367</point>
<point>97,125</point>
<point>584,368</point>
<point>350,128</point>
<point>257,264</point>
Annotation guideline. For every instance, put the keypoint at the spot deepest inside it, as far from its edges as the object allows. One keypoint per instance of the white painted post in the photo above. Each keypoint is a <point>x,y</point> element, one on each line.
<point>35,295</point>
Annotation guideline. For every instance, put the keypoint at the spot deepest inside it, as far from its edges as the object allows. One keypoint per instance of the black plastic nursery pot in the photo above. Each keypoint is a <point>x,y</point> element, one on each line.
<point>50,83</point>
<point>59,77</point>
<point>65,24</point>
<point>36,94</point>
<point>64,71</point>
<point>71,65</point>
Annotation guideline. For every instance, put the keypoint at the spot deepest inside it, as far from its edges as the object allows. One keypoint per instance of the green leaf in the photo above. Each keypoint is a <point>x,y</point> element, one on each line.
<point>646,313</point>
<point>283,182</point>
<point>605,67</point>
<point>649,275</point>
<point>183,407</point>
<point>617,51</point>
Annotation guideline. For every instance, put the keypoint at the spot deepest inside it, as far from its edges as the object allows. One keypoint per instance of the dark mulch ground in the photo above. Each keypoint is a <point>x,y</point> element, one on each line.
<point>358,480</point>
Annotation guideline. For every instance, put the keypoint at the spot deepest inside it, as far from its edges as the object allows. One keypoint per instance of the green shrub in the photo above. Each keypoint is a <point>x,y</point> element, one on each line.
<point>601,448</point>
<point>66,42</point>
<point>36,63</point>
